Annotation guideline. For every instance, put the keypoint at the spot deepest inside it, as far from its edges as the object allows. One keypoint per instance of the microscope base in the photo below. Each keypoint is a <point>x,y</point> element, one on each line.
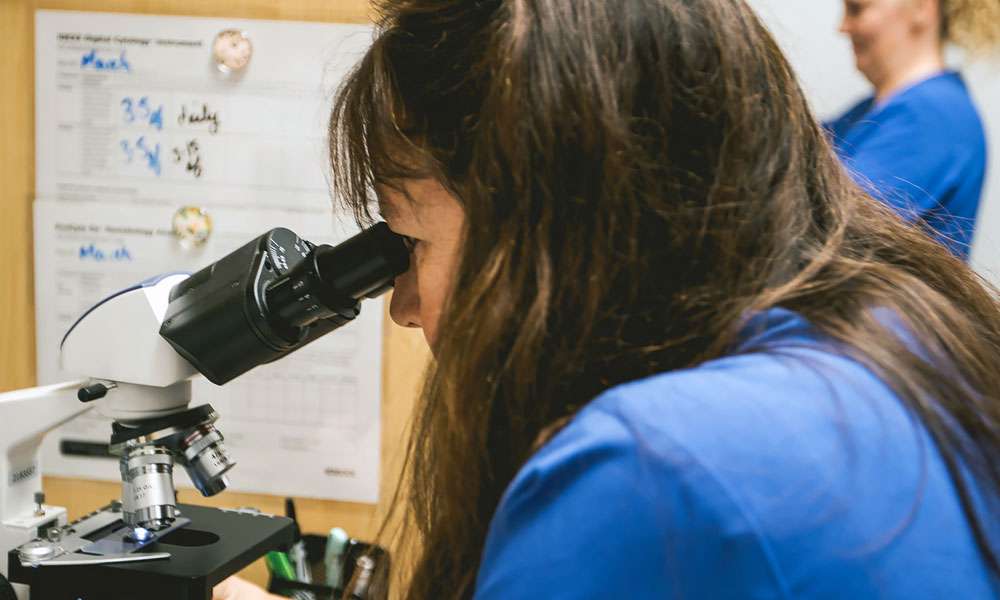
<point>216,544</point>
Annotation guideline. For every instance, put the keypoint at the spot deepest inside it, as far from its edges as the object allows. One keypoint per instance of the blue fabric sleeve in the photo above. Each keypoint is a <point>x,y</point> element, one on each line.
<point>786,470</point>
<point>907,163</point>
<point>591,517</point>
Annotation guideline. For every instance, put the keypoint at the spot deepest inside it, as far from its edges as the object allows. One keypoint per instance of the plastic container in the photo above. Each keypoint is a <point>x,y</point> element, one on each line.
<point>315,553</point>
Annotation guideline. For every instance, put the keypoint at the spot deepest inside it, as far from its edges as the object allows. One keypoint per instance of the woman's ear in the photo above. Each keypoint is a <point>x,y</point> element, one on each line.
<point>925,14</point>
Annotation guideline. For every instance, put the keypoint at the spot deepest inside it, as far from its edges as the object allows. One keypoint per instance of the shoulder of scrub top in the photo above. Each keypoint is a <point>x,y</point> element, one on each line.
<point>941,106</point>
<point>764,444</point>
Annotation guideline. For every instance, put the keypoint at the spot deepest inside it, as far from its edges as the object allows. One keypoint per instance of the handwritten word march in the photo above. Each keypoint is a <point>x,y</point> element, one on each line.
<point>92,60</point>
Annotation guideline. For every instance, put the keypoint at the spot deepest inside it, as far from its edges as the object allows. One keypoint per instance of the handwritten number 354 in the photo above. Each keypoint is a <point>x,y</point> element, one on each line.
<point>143,111</point>
<point>129,106</point>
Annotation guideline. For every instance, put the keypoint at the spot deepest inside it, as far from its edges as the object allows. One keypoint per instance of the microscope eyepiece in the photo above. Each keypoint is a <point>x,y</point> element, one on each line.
<point>275,295</point>
<point>332,279</point>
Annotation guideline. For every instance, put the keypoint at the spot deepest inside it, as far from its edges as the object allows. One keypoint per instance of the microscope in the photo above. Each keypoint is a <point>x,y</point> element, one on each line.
<point>136,352</point>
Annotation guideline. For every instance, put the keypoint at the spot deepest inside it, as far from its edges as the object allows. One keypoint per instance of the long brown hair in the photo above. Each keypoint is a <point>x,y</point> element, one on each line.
<point>637,177</point>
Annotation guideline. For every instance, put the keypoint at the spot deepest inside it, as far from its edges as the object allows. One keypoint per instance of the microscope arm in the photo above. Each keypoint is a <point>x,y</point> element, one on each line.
<point>27,415</point>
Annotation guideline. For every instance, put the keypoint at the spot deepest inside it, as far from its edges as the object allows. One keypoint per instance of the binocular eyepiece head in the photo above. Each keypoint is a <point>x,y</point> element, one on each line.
<point>275,295</point>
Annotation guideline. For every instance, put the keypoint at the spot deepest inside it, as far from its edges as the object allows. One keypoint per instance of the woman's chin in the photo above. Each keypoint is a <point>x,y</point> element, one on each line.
<point>865,67</point>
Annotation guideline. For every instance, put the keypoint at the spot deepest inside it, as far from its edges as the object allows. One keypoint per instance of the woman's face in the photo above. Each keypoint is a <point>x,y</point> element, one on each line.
<point>423,211</point>
<point>882,34</point>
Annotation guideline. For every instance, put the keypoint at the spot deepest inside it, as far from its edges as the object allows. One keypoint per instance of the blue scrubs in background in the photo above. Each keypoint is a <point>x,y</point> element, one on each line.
<point>785,470</point>
<point>923,152</point>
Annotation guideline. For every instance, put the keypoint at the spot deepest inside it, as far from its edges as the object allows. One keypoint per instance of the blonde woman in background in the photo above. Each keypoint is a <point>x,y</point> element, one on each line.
<point>917,142</point>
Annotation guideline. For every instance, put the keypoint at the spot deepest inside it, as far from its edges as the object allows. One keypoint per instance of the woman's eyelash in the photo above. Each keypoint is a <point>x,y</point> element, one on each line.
<point>408,242</point>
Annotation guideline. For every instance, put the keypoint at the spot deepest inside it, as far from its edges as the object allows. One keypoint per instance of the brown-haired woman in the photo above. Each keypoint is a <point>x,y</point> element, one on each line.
<point>917,143</point>
<point>678,352</point>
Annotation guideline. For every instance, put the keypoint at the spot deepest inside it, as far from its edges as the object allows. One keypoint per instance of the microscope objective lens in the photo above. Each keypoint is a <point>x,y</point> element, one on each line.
<point>148,498</point>
<point>206,460</point>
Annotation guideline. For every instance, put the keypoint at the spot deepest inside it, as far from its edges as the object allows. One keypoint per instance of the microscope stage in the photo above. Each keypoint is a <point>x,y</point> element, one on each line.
<point>214,545</point>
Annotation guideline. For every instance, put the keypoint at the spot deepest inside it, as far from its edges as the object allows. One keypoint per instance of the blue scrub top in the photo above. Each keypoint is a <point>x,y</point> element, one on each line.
<point>923,152</point>
<point>786,470</point>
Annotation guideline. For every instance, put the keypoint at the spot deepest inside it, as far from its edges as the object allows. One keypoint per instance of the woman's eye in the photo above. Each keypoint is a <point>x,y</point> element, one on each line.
<point>409,242</point>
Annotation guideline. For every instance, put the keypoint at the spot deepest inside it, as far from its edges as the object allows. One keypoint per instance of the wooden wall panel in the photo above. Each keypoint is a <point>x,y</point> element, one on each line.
<point>405,352</point>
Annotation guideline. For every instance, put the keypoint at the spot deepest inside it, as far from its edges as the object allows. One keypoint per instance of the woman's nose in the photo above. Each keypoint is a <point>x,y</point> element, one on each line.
<point>404,308</point>
<point>845,26</point>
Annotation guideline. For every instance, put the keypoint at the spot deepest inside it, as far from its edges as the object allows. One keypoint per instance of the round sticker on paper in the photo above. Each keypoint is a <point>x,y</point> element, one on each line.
<point>192,225</point>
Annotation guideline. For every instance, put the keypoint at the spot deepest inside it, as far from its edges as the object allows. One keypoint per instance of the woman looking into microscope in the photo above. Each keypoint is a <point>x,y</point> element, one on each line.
<point>678,352</point>
<point>917,142</point>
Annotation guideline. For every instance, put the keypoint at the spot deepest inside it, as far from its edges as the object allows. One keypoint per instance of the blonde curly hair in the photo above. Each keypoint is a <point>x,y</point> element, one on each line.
<point>971,24</point>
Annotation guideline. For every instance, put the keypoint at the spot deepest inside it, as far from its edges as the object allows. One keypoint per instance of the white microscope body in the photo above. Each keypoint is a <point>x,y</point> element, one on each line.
<point>115,345</point>
<point>136,352</point>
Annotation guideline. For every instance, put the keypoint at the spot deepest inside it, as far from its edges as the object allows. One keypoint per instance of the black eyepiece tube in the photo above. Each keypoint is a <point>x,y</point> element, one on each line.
<point>275,295</point>
<point>332,279</point>
<point>365,264</point>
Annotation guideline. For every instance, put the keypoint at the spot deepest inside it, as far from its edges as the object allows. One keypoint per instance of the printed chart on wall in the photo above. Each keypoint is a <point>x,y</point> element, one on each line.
<point>164,143</point>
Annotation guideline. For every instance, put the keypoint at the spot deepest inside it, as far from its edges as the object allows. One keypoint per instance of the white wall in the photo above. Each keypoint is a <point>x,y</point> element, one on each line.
<point>807,32</point>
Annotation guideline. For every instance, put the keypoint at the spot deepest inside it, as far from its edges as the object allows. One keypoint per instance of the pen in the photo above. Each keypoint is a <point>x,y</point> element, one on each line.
<point>362,578</point>
<point>333,558</point>
<point>279,565</point>
<point>298,550</point>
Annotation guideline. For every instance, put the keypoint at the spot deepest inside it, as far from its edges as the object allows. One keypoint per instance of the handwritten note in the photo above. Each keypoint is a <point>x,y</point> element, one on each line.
<point>100,254</point>
<point>190,157</point>
<point>98,63</point>
<point>149,152</point>
<point>211,118</point>
<point>142,110</point>
<point>131,109</point>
